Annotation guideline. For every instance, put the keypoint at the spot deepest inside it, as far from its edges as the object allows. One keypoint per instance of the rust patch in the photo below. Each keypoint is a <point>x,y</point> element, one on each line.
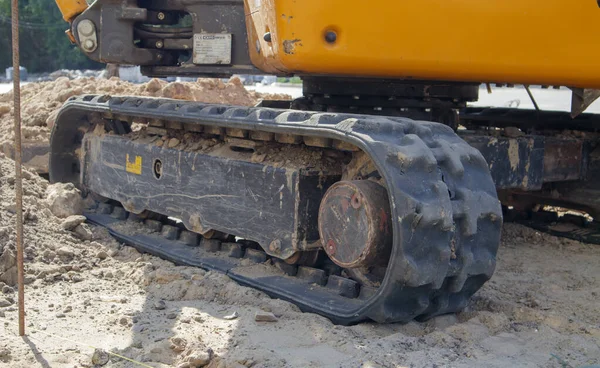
<point>290,45</point>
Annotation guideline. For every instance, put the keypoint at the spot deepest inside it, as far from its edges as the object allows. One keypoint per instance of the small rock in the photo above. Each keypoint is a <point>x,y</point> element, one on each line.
<point>248,363</point>
<point>258,157</point>
<point>7,290</point>
<point>444,321</point>
<point>68,309</point>
<point>60,315</point>
<point>137,345</point>
<point>8,267</point>
<point>123,321</point>
<point>72,222</point>
<point>5,354</point>
<point>171,316</point>
<point>83,232</point>
<point>76,278</point>
<point>198,319</point>
<point>370,364</point>
<point>100,357</point>
<point>64,199</point>
<point>160,305</point>
<point>5,302</point>
<point>173,142</point>
<point>263,316</point>
<point>102,255</point>
<point>199,358</point>
<point>178,344</point>
<point>231,316</point>
<point>65,252</point>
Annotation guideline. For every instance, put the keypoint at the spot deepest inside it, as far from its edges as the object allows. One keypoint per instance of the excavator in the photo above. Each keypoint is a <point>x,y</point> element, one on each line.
<point>377,195</point>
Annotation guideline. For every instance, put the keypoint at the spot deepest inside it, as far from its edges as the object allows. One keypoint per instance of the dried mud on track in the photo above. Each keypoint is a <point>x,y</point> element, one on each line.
<point>540,309</point>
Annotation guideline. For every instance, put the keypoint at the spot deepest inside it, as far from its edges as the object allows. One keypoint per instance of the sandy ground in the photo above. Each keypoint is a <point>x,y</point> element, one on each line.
<point>541,308</point>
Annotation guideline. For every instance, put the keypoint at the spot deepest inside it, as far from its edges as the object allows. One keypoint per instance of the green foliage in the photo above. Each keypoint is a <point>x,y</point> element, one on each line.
<point>44,47</point>
<point>292,80</point>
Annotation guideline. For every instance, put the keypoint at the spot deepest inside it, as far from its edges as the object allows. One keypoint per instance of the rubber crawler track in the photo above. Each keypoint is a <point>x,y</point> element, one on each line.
<point>447,218</point>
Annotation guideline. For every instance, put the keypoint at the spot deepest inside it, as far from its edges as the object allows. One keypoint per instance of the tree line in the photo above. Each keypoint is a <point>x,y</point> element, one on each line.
<point>44,47</point>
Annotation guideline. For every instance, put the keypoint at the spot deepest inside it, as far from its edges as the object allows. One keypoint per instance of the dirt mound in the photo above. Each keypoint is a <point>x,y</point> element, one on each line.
<point>41,101</point>
<point>51,251</point>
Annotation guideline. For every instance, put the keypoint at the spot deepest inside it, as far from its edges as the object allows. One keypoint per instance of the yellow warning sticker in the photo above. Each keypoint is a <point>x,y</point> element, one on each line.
<point>134,167</point>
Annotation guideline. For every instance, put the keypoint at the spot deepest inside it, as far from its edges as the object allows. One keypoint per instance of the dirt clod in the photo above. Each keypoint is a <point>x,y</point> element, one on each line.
<point>83,232</point>
<point>263,316</point>
<point>160,305</point>
<point>5,302</point>
<point>72,222</point>
<point>64,199</point>
<point>199,358</point>
<point>102,255</point>
<point>100,357</point>
<point>231,316</point>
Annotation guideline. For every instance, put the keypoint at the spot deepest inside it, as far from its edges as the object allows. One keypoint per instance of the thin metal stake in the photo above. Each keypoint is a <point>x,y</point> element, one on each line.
<point>537,108</point>
<point>18,169</point>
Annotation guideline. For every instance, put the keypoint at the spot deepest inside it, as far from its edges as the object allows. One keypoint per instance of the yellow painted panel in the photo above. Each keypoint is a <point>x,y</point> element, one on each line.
<point>551,42</point>
<point>134,167</point>
<point>71,8</point>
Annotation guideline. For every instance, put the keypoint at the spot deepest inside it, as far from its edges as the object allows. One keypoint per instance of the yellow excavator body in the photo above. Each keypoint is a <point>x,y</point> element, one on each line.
<point>548,42</point>
<point>71,8</point>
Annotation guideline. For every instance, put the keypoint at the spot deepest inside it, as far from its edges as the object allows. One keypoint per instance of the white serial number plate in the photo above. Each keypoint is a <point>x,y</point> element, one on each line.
<point>212,48</point>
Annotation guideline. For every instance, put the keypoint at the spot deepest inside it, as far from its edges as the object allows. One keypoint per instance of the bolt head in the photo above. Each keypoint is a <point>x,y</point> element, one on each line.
<point>160,16</point>
<point>159,44</point>
<point>89,45</point>
<point>330,37</point>
<point>330,247</point>
<point>267,37</point>
<point>85,27</point>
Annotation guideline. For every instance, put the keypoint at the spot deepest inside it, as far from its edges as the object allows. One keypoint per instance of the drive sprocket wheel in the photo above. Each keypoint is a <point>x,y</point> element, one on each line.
<point>450,220</point>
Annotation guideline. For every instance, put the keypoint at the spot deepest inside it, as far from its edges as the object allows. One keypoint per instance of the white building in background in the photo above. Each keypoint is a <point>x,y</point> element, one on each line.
<point>22,70</point>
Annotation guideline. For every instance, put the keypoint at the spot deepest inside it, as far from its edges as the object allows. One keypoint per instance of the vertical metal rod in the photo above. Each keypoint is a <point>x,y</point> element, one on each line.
<point>18,169</point>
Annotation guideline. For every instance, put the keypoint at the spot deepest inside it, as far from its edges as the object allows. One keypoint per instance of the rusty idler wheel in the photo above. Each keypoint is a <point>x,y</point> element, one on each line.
<point>354,224</point>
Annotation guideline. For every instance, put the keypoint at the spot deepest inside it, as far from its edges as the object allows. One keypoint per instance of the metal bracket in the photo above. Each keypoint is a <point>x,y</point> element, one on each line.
<point>86,30</point>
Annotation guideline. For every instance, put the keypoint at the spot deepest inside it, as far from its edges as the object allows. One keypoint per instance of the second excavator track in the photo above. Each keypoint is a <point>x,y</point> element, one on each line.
<point>444,212</point>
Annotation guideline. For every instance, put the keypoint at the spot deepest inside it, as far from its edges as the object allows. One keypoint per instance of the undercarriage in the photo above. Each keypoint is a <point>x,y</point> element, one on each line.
<point>374,196</point>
